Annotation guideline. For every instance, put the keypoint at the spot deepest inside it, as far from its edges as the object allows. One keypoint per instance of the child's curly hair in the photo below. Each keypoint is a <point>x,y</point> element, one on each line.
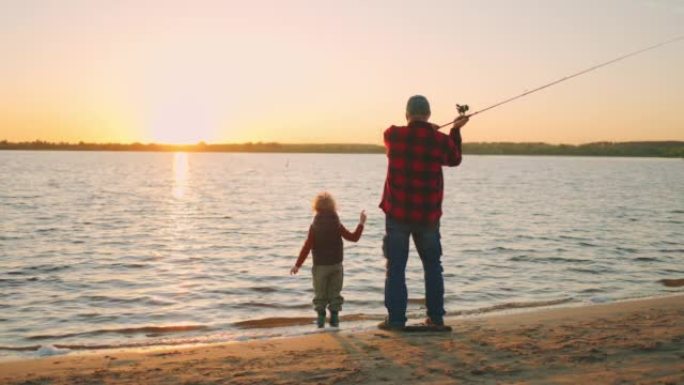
<point>324,202</point>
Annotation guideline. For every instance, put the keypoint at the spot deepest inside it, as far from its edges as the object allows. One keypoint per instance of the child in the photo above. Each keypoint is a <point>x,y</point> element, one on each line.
<point>325,239</point>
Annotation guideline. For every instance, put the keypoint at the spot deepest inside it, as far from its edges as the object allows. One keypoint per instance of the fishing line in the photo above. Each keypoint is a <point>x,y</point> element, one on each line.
<point>463,109</point>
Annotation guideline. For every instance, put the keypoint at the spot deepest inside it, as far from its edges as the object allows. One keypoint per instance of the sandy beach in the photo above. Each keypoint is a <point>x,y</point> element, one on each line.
<point>633,342</point>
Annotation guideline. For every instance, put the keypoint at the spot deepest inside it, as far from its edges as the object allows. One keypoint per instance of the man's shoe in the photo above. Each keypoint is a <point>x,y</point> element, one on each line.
<point>334,318</point>
<point>436,325</point>
<point>320,320</point>
<point>430,322</point>
<point>385,325</point>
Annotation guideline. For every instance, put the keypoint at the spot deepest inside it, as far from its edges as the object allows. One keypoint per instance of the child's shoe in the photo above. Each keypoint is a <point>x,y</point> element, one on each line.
<point>334,318</point>
<point>320,321</point>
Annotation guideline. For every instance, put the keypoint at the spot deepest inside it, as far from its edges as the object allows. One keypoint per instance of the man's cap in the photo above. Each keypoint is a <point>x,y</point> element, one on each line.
<point>417,105</point>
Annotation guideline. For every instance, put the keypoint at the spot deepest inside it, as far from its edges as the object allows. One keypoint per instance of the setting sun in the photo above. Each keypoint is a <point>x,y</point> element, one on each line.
<point>178,135</point>
<point>182,122</point>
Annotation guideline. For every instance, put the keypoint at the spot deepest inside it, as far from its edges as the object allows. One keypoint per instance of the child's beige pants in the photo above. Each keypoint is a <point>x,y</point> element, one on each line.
<point>327,284</point>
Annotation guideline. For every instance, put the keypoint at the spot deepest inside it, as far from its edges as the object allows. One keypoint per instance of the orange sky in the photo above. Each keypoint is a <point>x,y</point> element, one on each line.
<point>331,71</point>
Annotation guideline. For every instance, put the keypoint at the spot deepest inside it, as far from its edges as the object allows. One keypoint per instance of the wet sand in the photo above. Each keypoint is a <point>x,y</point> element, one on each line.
<point>635,342</point>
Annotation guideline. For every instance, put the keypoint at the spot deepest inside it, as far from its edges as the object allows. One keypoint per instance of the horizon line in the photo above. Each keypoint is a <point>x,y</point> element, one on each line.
<point>203,143</point>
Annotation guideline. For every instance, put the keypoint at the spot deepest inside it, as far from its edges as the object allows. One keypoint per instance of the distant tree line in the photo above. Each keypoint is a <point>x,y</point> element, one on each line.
<point>199,147</point>
<point>667,149</point>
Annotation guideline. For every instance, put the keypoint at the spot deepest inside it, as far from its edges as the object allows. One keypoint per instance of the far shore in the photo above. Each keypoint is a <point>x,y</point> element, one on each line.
<point>664,149</point>
<point>630,342</point>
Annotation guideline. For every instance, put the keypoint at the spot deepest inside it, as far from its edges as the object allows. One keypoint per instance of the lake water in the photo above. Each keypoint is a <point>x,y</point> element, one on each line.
<point>102,249</point>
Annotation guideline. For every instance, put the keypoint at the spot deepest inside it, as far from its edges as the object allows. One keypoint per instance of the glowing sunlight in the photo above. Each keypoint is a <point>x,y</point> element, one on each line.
<point>180,174</point>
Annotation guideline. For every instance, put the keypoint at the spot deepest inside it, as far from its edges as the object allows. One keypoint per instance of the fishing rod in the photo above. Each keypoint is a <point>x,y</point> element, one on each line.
<point>463,108</point>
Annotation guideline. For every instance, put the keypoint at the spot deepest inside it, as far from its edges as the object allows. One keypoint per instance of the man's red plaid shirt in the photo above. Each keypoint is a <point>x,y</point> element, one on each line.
<point>414,187</point>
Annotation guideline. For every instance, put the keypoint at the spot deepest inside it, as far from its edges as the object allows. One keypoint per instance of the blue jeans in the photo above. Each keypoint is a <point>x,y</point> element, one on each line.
<point>395,246</point>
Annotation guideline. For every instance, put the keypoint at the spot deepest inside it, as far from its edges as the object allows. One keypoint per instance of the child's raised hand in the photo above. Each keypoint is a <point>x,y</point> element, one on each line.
<point>294,270</point>
<point>362,219</point>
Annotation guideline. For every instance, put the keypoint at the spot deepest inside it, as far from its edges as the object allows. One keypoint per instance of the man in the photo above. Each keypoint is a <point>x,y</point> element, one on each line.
<point>412,202</point>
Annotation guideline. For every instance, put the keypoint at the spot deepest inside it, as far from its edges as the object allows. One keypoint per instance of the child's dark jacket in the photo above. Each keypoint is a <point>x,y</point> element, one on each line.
<point>325,239</point>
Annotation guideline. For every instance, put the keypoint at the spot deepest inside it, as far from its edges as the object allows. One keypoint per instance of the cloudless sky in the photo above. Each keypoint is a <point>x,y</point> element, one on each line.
<point>335,71</point>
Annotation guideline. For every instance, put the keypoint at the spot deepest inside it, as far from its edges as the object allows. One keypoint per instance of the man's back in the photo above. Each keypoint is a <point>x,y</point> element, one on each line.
<point>413,189</point>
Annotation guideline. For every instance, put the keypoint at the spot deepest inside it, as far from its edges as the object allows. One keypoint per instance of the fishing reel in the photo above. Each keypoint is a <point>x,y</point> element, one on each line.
<point>462,109</point>
<point>462,112</point>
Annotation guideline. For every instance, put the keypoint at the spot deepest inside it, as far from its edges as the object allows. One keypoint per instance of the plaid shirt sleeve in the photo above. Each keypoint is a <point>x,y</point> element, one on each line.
<point>451,148</point>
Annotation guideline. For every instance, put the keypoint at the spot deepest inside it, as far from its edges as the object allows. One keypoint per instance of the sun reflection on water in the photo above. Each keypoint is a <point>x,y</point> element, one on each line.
<point>180,174</point>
